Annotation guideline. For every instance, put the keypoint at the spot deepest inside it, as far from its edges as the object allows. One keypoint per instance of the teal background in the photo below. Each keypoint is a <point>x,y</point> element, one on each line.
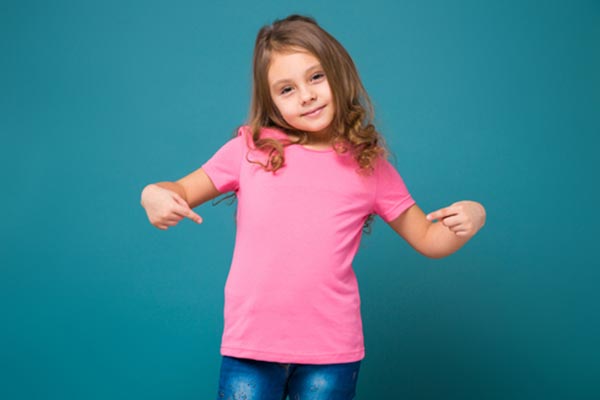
<point>493,101</point>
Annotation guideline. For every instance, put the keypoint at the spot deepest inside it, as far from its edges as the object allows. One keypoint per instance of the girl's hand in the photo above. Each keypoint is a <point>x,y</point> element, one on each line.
<point>166,208</point>
<point>464,218</point>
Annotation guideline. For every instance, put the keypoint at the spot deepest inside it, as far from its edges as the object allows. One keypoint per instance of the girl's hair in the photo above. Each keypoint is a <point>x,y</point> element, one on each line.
<point>352,126</point>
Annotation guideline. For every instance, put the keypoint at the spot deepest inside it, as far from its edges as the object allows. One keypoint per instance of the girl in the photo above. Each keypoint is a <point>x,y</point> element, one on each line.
<point>308,171</point>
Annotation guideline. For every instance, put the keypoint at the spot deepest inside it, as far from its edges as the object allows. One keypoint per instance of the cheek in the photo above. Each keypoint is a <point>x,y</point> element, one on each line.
<point>280,112</point>
<point>276,102</point>
<point>274,106</point>
<point>283,108</point>
<point>328,91</point>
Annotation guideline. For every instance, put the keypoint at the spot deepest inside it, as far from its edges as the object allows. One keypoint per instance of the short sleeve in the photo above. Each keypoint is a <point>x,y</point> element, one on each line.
<point>391,195</point>
<point>223,168</point>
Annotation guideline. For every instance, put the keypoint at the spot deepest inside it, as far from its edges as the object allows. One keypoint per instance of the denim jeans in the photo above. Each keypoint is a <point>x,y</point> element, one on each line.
<point>243,379</point>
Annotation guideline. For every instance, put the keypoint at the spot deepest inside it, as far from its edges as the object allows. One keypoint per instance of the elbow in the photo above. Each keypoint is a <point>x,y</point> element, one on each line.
<point>437,254</point>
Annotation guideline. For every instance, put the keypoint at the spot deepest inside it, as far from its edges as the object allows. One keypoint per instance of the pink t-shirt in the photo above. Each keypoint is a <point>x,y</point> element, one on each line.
<point>291,295</point>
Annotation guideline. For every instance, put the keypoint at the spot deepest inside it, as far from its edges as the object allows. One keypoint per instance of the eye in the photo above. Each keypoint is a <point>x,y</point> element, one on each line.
<point>285,90</point>
<point>318,76</point>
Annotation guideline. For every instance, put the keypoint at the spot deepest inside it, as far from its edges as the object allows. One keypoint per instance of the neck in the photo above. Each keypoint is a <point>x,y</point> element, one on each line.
<point>319,143</point>
<point>313,140</point>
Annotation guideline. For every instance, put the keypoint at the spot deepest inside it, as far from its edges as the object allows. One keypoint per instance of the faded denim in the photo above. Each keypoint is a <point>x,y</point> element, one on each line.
<point>243,379</point>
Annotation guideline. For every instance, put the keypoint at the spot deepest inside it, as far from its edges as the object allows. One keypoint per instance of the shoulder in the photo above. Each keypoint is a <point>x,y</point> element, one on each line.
<point>384,171</point>
<point>382,165</point>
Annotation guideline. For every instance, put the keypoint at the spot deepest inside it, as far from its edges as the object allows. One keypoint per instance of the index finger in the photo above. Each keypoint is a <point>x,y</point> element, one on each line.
<point>188,213</point>
<point>441,213</point>
<point>185,211</point>
<point>193,216</point>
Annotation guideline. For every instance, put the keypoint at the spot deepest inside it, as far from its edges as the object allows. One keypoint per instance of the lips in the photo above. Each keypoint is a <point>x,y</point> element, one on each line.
<point>313,112</point>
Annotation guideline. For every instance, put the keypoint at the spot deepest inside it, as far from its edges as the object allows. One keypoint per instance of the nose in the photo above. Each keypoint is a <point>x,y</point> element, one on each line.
<point>307,95</point>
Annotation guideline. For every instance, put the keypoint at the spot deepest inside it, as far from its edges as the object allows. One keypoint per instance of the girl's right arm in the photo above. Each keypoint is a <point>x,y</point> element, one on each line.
<point>167,203</point>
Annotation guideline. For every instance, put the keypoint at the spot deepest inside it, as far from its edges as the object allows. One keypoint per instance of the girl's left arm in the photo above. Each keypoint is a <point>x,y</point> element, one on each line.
<point>455,225</point>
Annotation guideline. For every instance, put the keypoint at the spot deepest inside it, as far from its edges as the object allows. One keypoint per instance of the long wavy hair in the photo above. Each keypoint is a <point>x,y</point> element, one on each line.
<point>352,126</point>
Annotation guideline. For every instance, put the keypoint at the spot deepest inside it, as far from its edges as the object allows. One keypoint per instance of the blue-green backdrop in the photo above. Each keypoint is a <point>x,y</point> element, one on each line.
<point>494,101</point>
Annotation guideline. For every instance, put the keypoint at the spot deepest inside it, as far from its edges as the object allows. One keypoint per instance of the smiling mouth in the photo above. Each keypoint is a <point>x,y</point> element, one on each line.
<point>313,112</point>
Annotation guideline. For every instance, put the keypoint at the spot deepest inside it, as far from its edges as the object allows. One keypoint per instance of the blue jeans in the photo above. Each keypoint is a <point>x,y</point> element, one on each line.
<point>243,379</point>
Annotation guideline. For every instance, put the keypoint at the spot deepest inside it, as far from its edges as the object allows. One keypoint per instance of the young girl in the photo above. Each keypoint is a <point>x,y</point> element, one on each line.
<point>308,171</point>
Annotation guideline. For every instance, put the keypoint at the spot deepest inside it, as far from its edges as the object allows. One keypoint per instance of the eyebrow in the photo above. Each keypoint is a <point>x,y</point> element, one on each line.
<point>308,71</point>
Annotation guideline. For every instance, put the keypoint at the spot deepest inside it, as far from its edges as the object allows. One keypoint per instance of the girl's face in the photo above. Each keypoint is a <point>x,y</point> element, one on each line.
<point>301,93</point>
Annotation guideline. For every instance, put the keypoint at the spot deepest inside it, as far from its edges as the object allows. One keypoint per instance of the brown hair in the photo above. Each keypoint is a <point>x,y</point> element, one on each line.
<point>352,126</point>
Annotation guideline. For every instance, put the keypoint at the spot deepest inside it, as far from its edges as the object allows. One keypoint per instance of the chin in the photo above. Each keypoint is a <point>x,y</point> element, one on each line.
<point>317,128</point>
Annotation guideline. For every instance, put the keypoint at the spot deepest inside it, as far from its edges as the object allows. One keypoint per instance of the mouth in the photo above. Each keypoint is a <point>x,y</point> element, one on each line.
<point>313,112</point>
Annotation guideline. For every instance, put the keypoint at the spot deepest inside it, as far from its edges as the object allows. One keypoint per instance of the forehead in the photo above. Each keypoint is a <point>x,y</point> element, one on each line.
<point>289,64</point>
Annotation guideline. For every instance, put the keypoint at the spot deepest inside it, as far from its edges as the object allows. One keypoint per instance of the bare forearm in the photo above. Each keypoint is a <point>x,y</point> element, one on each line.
<point>195,188</point>
<point>456,225</point>
<point>174,187</point>
<point>440,242</point>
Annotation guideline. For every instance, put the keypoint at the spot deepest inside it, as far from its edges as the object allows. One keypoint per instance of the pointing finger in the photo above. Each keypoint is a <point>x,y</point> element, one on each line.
<point>441,213</point>
<point>194,217</point>
<point>186,211</point>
